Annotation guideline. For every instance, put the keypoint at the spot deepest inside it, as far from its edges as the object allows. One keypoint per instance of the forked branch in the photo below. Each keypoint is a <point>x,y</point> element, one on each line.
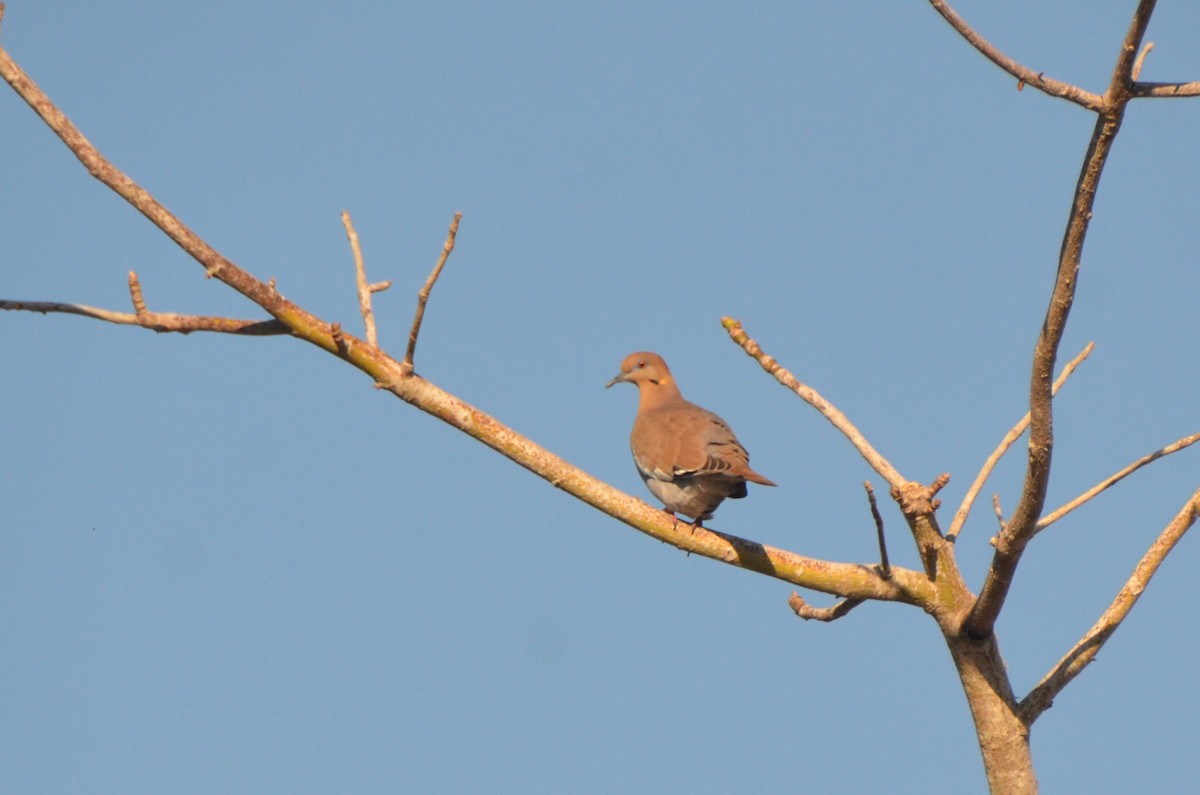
<point>298,321</point>
<point>161,322</point>
<point>1010,544</point>
<point>846,580</point>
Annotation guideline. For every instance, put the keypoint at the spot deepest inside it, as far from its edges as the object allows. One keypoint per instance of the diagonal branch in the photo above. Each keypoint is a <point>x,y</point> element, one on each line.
<point>814,399</point>
<point>298,321</point>
<point>423,295</point>
<point>846,580</point>
<point>1025,75</point>
<point>1112,480</point>
<point>1073,663</point>
<point>1011,543</point>
<point>964,510</point>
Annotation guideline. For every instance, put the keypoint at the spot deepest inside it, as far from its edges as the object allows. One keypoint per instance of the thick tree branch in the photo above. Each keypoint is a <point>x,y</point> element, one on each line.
<point>841,579</point>
<point>1120,86</point>
<point>964,510</point>
<point>814,399</point>
<point>1113,479</point>
<point>1011,543</point>
<point>1074,661</point>
<point>1024,75</point>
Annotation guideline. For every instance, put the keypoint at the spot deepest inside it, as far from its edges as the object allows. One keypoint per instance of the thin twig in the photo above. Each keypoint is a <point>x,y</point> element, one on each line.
<point>814,399</point>
<point>831,613</point>
<point>1141,59</point>
<point>1025,76</point>
<point>1112,480</point>
<point>155,321</point>
<point>964,510</point>
<point>423,295</point>
<point>885,569</point>
<point>1083,652</point>
<point>364,289</point>
<point>998,511</point>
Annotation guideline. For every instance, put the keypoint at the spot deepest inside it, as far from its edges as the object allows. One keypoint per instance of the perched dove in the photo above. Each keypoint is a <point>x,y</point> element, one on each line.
<point>688,457</point>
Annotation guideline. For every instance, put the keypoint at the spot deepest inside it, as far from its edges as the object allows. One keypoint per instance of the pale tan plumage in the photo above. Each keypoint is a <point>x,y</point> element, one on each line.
<point>688,457</point>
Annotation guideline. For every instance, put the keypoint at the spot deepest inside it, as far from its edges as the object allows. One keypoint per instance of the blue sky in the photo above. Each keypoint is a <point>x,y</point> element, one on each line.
<point>229,565</point>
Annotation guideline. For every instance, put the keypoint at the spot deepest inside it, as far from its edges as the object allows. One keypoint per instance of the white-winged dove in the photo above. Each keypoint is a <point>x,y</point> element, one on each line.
<point>688,457</point>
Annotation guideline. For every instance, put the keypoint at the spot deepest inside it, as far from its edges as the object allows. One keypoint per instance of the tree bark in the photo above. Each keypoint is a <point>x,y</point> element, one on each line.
<point>1003,737</point>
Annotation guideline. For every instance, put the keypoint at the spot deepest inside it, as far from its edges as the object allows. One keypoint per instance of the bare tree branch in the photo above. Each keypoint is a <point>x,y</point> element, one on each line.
<point>1121,83</point>
<point>964,510</point>
<point>1024,75</point>
<point>423,295</point>
<point>832,613</point>
<point>1083,652</point>
<point>885,569</point>
<point>841,579</point>
<point>814,399</point>
<point>300,322</point>
<point>156,321</point>
<point>365,289</point>
<point>1011,543</point>
<point>1166,90</point>
<point>1112,480</point>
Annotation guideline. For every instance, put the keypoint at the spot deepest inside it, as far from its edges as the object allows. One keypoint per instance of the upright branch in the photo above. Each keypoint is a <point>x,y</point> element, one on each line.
<point>423,295</point>
<point>1020,527</point>
<point>885,568</point>
<point>365,288</point>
